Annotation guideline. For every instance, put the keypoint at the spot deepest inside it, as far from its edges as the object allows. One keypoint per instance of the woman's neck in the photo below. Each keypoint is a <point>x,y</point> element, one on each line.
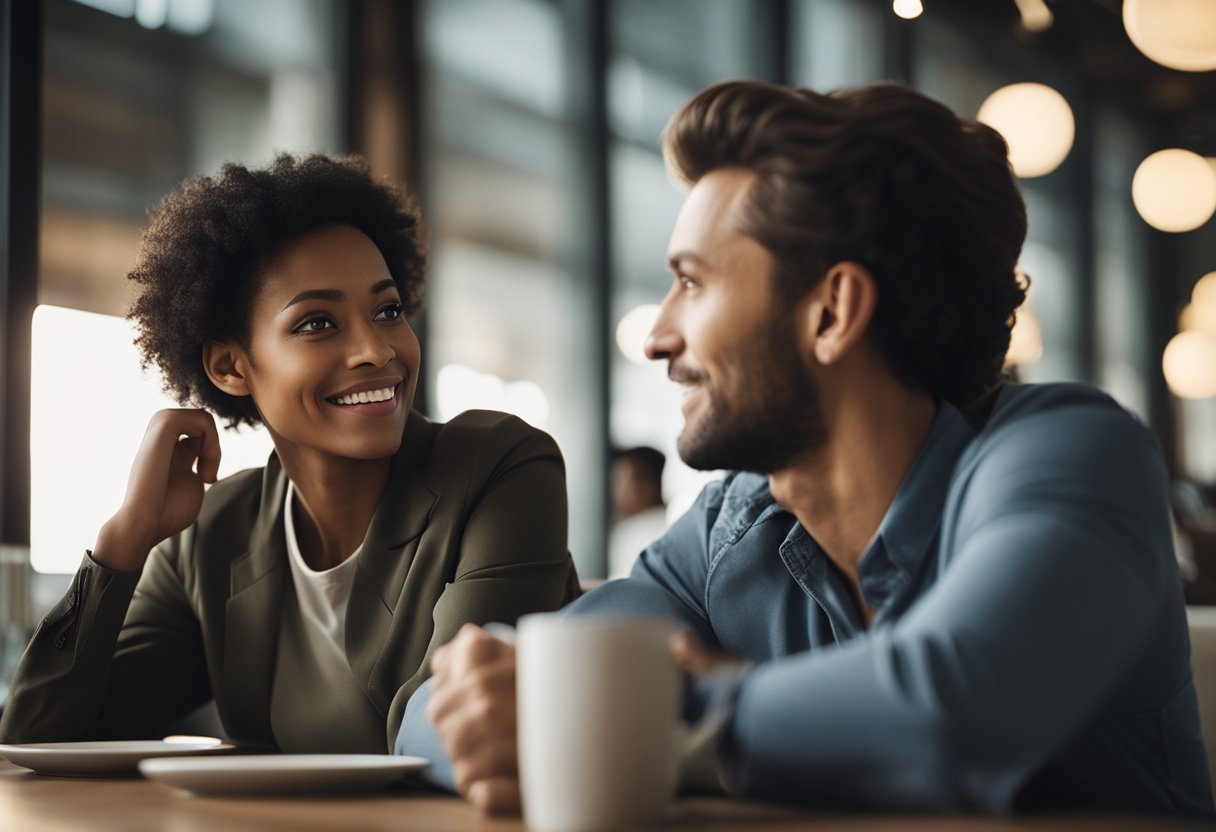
<point>335,501</point>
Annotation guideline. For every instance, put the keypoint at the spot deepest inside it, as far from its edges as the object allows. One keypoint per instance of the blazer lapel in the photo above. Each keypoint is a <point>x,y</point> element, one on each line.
<point>251,617</point>
<point>385,558</point>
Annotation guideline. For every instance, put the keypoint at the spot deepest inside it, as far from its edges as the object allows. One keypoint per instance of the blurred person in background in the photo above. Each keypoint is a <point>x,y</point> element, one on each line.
<point>918,587</point>
<point>639,514</point>
<point>306,597</point>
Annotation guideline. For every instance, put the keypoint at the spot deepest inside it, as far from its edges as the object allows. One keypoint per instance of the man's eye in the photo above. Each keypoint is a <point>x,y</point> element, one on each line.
<point>315,325</point>
<point>686,281</point>
<point>389,313</point>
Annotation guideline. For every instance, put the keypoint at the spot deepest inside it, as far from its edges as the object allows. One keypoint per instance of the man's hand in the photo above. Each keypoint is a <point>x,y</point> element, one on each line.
<point>696,659</point>
<point>179,454</point>
<point>472,707</point>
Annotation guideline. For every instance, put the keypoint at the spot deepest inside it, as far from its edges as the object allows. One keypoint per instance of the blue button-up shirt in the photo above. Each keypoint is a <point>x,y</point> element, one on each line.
<point>1030,648</point>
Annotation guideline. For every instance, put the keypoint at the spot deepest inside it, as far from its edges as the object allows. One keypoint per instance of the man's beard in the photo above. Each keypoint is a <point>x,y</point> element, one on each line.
<point>770,421</point>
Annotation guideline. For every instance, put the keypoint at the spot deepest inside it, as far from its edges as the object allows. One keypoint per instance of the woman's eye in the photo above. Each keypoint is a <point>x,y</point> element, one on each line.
<point>686,282</point>
<point>389,313</point>
<point>315,325</point>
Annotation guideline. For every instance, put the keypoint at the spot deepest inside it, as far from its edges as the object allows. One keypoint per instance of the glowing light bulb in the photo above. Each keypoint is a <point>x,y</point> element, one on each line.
<point>908,9</point>
<point>1036,17</point>
<point>1204,292</point>
<point>1200,313</point>
<point>1036,123</point>
<point>1174,190</point>
<point>1198,317</point>
<point>1189,363</point>
<point>1180,34</point>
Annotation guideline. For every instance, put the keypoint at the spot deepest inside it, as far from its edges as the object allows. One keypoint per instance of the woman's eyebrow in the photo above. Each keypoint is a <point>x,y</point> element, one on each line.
<point>336,294</point>
<point>316,294</point>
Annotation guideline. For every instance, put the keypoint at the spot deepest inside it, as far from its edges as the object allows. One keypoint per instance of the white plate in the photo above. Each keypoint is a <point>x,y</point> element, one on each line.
<point>92,759</point>
<point>282,773</point>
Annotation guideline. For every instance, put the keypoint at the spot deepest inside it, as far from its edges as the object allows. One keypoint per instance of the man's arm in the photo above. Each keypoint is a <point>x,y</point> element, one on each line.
<point>1053,569</point>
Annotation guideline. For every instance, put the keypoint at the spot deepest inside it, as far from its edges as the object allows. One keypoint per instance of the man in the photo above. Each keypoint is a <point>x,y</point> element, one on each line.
<point>951,594</point>
<point>639,514</point>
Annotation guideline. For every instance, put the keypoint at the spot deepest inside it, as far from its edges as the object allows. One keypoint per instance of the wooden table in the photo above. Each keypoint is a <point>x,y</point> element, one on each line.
<point>34,803</point>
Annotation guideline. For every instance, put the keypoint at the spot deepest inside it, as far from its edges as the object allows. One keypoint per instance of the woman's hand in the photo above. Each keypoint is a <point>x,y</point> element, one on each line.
<point>180,452</point>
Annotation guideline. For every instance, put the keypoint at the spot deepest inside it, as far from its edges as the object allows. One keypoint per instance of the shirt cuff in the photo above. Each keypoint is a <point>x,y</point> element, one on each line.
<point>417,738</point>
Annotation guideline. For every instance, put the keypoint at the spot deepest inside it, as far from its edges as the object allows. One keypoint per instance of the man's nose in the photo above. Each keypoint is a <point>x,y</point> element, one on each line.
<point>663,342</point>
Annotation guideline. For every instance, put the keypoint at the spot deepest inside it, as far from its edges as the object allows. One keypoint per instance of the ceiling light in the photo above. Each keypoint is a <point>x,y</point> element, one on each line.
<point>1198,317</point>
<point>1189,364</point>
<point>1037,124</point>
<point>1200,313</point>
<point>1180,34</point>
<point>1036,17</point>
<point>1204,292</point>
<point>908,9</point>
<point>1174,190</point>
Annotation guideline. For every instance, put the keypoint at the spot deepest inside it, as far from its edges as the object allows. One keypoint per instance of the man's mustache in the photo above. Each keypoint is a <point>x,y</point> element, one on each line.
<point>683,375</point>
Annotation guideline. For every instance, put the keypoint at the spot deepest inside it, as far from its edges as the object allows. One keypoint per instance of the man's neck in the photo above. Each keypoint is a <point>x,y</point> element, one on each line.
<point>842,490</point>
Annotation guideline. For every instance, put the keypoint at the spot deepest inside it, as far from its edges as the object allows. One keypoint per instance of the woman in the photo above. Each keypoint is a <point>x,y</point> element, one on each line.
<point>305,598</point>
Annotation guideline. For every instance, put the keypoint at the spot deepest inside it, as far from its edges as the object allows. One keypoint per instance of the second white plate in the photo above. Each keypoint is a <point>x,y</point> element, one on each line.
<point>282,773</point>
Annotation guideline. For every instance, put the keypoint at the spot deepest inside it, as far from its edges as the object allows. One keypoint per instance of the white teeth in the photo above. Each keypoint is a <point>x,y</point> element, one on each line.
<point>366,397</point>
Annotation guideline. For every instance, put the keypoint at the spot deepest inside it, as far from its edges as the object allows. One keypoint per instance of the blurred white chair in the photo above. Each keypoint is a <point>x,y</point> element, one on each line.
<point>1202,621</point>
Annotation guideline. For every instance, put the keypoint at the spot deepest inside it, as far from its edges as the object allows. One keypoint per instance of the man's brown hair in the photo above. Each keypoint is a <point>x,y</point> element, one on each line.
<point>886,177</point>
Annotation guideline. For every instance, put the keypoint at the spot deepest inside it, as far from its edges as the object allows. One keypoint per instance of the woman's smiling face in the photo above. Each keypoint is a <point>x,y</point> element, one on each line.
<point>332,363</point>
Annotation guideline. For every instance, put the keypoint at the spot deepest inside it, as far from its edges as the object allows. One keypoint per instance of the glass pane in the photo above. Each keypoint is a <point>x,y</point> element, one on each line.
<point>137,96</point>
<point>505,331</point>
<point>1121,266</point>
<point>836,43</point>
<point>960,69</point>
<point>86,466</point>
<point>663,54</point>
<point>131,108</point>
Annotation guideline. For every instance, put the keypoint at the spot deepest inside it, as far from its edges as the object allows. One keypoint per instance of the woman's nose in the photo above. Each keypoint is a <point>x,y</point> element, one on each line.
<point>371,348</point>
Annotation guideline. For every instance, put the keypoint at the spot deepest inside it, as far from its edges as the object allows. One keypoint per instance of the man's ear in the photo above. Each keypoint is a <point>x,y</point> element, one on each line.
<point>840,310</point>
<point>225,364</point>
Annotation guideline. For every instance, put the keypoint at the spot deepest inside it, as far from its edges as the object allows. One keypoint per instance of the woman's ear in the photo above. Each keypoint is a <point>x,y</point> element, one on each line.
<point>225,364</point>
<point>845,301</point>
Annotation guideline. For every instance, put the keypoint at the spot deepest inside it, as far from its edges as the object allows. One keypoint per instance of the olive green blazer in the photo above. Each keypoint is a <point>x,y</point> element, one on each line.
<point>471,528</point>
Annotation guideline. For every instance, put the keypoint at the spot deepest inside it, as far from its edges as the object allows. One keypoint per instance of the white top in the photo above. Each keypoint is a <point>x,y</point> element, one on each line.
<point>316,704</point>
<point>323,595</point>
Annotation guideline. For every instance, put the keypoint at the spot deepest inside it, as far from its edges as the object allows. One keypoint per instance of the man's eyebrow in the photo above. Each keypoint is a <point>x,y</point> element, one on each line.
<point>674,260</point>
<point>316,294</point>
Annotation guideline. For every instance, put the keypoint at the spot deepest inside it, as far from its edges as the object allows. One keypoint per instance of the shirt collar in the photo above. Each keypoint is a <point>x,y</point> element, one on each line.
<point>909,527</point>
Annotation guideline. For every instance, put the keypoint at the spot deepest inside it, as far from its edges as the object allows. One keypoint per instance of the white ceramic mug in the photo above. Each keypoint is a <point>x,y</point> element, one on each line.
<point>599,710</point>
